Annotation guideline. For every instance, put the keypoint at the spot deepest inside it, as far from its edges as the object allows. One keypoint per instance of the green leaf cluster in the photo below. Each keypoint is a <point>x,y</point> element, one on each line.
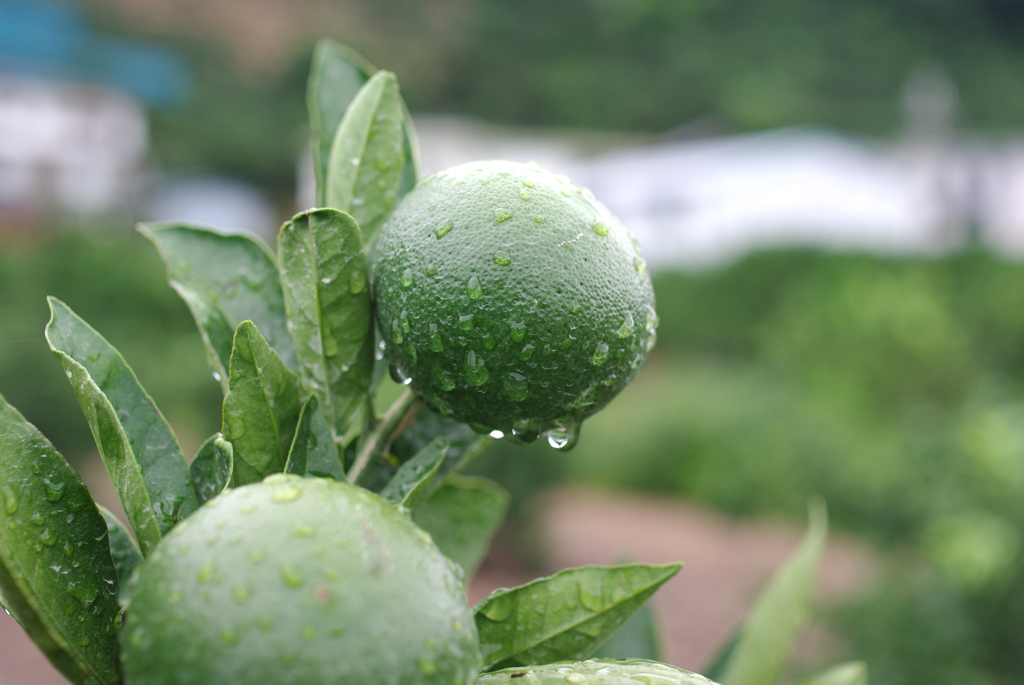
<point>289,334</point>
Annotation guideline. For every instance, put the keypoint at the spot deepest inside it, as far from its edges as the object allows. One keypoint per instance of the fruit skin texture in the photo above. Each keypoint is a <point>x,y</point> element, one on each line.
<point>596,672</point>
<point>512,298</point>
<point>298,581</point>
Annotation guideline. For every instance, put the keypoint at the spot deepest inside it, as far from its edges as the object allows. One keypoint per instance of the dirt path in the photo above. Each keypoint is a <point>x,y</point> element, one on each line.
<point>727,562</point>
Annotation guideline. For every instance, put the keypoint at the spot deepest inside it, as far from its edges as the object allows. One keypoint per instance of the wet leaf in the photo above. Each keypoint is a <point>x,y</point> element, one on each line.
<point>213,468</point>
<point>337,74</point>
<point>327,296</point>
<point>465,443</point>
<point>563,617</point>
<point>637,638</point>
<point>463,515</point>
<point>261,408</point>
<point>850,673</point>
<point>313,452</point>
<point>56,574</point>
<point>413,480</point>
<point>138,448</point>
<point>224,280</point>
<point>782,609</point>
<point>364,169</point>
<point>123,550</point>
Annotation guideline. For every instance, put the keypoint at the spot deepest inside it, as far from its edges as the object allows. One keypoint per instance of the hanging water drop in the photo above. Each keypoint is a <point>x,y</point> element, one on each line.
<point>398,376</point>
<point>564,438</point>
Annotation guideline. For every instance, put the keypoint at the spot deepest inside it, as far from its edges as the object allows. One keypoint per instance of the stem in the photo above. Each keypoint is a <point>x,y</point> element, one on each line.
<point>398,417</point>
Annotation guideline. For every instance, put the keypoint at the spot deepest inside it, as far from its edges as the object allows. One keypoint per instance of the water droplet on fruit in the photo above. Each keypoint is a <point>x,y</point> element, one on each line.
<point>288,494</point>
<point>524,196</point>
<point>38,519</point>
<point>434,342</point>
<point>407,278</point>
<point>228,637</point>
<point>528,183</point>
<point>626,329</point>
<point>404,318</point>
<point>398,376</point>
<point>443,380</point>
<point>304,531</point>
<point>566,193</point>
<point>600,228</point>
<point>84,642</point>
<point>537,219</point>
<point>517,330</point>
<point>501,215</point>
<point>476,373</point>
<point>466,322</point>
<point>575,678</point>
<point>290,577</point>
<point>524,433</point>
<point>473,289</point>
<point>563,438</point>
<point>569,341</point>
<point>308,633</point>
<point>382,347</point>
<point>427,667</point>
<point>526,352</point>
<point>457,626</point>
<point>47,538</point>
<point>444,229</point>
<point>640,265</point>
<point>496,434</point>
<point>600,355</point>
<point>516,386</point>
<point>502,258</point>
<point>10,499</point>
<point>431,271</point>
<point>241,593</point>
<point>205,572</point>
<point>652,321</point>
<point>216,376</point>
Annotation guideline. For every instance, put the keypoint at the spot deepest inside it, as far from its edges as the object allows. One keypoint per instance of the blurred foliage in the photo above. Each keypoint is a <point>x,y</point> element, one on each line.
<point>892,387</point>
<point>647,65</point>
<point>118,286</point>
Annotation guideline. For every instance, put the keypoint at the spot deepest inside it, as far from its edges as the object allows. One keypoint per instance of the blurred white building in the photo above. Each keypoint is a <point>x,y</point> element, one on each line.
<point>70,146</point>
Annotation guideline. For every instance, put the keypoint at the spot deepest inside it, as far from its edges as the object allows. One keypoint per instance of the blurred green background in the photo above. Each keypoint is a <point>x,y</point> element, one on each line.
<point>894,387</point>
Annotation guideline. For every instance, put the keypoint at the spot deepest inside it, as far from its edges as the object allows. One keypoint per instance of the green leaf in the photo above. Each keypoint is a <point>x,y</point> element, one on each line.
<point>781,611</point>
<point>463,515</point>
<point>337,74</point>
<point>465,443</point>
<point>313,451</point>
<point>212,469</point>
<point>413,480</point>
<point>327,296</point>
<point>261,408</point>
<point>123,550</point>
<point>138,448</point>
<point>850,673</point>
<point>637,638</point>
<point>224,280</point>
<point>56,574</point>
<point>563,617</point>
<point>365,166</point>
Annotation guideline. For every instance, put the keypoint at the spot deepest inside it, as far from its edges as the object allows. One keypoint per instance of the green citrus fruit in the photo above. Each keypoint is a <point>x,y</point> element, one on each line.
<point>298,581</point>
<point>512,299</point>
<point>595,672</point>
